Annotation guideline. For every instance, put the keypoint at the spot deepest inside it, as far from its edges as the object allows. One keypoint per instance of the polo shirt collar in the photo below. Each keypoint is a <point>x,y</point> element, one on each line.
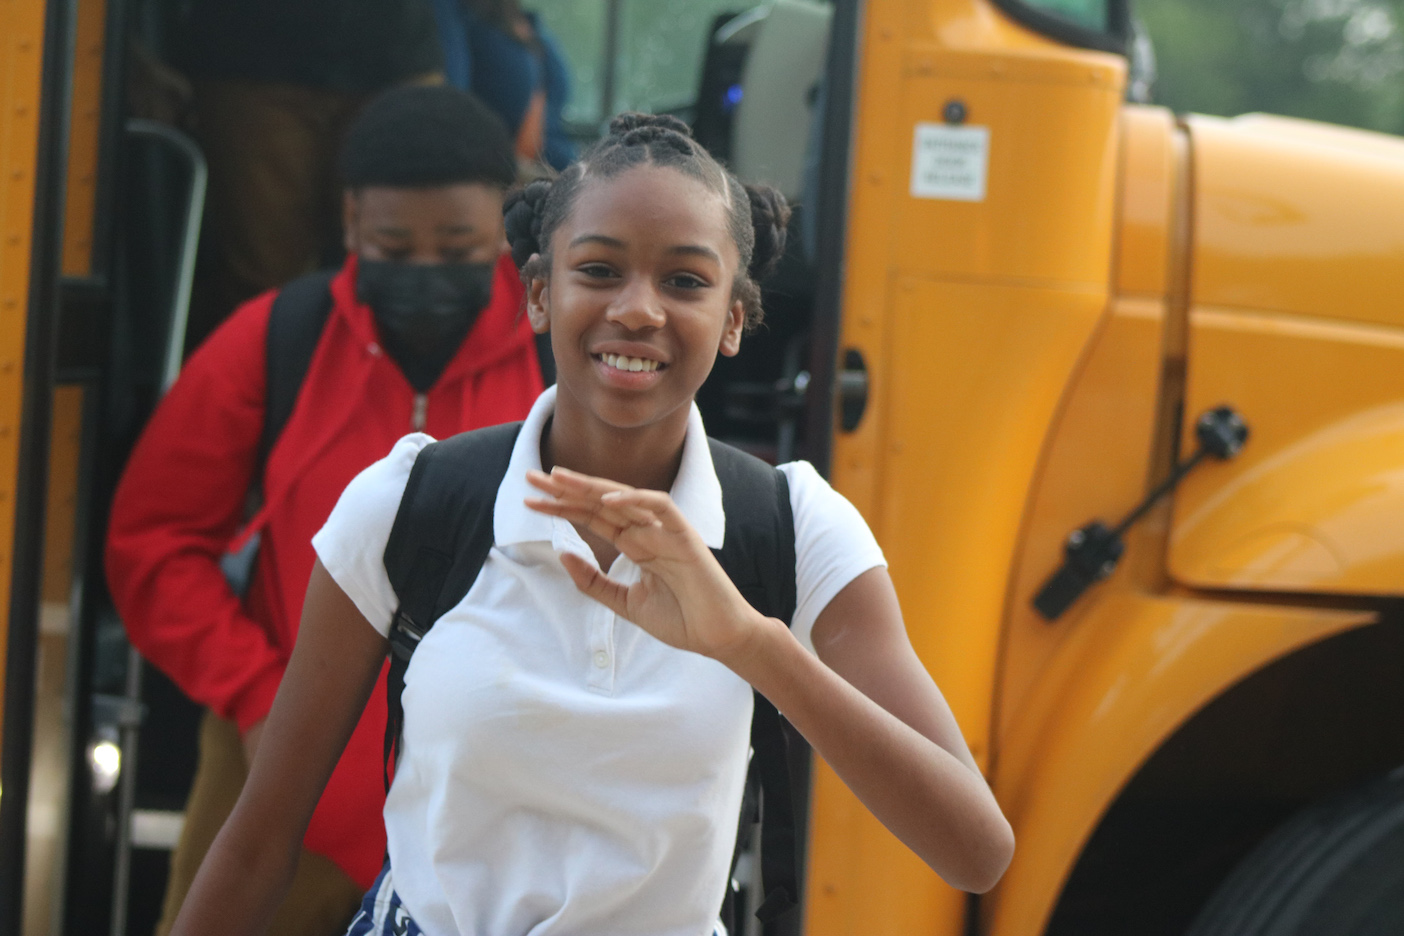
<point>696,490</point>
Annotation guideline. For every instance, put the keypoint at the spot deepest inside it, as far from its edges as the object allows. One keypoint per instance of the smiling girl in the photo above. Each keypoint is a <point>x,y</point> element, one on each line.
<point>576,728</point>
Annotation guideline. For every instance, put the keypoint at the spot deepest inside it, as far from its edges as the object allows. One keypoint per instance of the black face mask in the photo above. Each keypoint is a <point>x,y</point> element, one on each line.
<point>424,311</point>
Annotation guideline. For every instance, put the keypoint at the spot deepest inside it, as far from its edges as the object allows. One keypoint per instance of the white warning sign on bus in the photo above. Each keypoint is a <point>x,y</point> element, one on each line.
<point>950,162</point>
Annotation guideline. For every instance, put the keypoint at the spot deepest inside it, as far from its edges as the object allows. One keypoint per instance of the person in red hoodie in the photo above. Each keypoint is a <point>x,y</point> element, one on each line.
<point>425,333</point>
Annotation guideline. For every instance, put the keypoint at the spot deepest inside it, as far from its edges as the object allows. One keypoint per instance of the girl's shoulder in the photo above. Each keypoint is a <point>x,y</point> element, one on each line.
<point>833,544</point>
<point>351,544</point>
<point>395,467</point>
<point>819,510</point>
<point>811,494</point>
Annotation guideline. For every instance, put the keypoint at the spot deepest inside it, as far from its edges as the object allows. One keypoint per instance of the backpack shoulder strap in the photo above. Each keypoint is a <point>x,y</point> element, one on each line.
<point>295,324</point>
<point>758,551</point>
<point>440,539</point>
<point>758,555</point>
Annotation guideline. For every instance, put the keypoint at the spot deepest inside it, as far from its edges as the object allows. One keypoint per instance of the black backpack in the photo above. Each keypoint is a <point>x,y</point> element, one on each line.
<point>442,535</point>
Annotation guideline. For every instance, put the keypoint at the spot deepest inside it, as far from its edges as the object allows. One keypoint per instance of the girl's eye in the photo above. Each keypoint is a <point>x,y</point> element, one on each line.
<point>687,281</point>
<point>596,270</point>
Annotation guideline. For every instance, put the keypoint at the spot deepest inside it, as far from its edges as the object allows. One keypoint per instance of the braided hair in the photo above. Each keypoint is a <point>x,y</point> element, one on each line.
<point>756,214</point>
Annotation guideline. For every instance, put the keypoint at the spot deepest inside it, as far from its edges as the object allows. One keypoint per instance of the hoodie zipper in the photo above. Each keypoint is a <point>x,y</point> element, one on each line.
<point>419,417</point>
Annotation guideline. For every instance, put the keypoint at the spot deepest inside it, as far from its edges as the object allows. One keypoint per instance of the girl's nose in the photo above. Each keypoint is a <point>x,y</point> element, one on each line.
<point>638,306</point>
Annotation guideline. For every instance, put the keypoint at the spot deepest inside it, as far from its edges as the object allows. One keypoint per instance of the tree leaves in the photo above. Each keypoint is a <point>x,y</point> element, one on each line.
<point>1341,61</point>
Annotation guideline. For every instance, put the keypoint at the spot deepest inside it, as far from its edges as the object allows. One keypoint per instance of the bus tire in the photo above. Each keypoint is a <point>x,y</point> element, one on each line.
<point>1335,868</point>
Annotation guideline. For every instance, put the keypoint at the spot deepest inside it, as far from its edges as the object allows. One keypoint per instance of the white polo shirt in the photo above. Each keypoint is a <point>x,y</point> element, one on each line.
<point>564,772</point>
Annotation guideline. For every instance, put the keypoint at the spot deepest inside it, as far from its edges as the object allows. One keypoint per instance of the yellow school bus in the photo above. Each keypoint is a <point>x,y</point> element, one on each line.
<point>1120,391</point>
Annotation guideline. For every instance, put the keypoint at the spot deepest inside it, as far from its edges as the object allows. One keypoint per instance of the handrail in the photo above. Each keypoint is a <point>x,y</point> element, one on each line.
<point>183,145</point>
<point>190,236</point>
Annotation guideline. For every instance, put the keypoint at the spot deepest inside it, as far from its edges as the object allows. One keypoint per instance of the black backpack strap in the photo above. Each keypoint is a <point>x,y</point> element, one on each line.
<point>758,554</point>
<point>440,539</point>
<point>295,324</point>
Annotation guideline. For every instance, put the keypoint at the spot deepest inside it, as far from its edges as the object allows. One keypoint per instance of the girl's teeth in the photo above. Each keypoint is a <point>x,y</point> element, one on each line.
<point>619,362</point>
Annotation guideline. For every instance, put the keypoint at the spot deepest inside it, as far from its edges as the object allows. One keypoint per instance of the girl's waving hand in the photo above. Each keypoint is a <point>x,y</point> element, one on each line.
<point>683,597</point>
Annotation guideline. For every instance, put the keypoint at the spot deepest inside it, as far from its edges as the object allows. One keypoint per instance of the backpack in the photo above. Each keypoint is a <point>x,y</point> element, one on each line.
<point>441,537</point>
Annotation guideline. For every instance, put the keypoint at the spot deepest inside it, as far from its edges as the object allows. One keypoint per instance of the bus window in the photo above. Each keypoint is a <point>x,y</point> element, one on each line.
<point>579,26</point>
<point>1094,24</point>
<point>1091,14</point>
<point>642,55</point>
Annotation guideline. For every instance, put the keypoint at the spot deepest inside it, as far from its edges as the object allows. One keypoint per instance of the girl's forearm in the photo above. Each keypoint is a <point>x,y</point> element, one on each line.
<point>239,886</point>
<point>924,795</point>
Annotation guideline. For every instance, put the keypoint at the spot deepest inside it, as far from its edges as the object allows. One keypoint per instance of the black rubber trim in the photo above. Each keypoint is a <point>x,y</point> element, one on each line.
<point>27,548</point>
<point>1116,39</point>
<point>835,169</point>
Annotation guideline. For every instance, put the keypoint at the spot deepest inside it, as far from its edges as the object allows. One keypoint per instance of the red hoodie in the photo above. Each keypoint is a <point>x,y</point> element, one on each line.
<point>182,498</point>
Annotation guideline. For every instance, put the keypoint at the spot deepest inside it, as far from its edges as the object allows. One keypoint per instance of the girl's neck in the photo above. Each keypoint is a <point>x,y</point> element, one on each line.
<point>644,457</point>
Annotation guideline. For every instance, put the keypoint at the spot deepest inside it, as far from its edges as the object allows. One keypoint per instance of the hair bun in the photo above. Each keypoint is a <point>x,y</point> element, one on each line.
<point>770,216</point>
<point>630,121</point>
<point>521,215</point>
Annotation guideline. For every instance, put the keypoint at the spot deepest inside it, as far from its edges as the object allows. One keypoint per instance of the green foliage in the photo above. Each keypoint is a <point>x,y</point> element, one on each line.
<point>1340,61</point>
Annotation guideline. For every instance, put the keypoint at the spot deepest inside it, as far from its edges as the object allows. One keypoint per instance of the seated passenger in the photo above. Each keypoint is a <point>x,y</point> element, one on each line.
<point>506,57</point>
<point>423,331</point>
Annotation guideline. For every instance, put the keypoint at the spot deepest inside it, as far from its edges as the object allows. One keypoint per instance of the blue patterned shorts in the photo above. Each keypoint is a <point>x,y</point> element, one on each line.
<point>382,913</point>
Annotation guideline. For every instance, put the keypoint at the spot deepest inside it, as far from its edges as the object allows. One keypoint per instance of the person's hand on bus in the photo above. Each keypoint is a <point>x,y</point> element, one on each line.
<point>683,597</point>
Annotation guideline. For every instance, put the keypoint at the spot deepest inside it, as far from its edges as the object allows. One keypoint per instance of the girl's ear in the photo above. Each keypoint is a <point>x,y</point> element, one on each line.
<point>735,325</point>
<point>538,297</point>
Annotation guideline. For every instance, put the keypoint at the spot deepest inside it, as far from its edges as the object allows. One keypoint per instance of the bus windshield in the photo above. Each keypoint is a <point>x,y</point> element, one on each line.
<point>1097,24</point>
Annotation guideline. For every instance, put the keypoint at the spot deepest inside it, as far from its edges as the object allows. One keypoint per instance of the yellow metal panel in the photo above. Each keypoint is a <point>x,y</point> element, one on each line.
<point>1052,159</point>
<point>972,317</point>
<point>48,776</point>
<point>1133,670</point>
<point>1096,467</point>
<point>83,137</point>
<point>21,45</point>
<point>1315,500</point>
<point>1297,217</point>
<point>975,375</point>
<point>1144,209</point>
<point>65,451</point>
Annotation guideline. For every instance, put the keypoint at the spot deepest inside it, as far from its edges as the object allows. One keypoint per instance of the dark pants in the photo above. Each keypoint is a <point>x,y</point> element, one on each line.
<point>273,211</point>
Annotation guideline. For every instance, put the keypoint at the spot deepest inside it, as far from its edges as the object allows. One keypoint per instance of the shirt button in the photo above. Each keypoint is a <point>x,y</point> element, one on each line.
<point>601,659</point>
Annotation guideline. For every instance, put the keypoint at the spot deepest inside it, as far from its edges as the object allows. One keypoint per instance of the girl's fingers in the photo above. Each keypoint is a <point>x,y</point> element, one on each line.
<point>582,490</point>
<point>595,584</point>
<point>606,508</point>
<point>657,503</point>
<point>608,521</point>
<point>570,485</point>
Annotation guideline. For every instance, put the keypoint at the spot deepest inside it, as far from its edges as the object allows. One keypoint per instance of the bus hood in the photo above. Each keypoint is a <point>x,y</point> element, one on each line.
<point>1298,217</point>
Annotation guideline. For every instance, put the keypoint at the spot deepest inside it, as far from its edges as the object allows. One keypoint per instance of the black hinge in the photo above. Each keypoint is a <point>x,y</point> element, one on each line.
<point>1093,550</point>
